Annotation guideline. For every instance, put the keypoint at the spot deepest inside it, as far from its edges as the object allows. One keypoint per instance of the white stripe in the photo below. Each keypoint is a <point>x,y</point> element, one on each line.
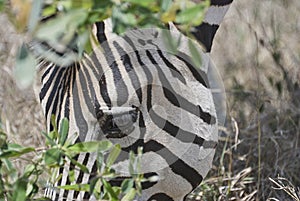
<point>215,14</point>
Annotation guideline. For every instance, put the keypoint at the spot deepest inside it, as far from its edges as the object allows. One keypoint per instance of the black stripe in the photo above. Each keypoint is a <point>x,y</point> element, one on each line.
<point>68,86</point>
<point>47,70</point>
<point>47,85</point>
<point>61,170</point>
<point>175,131</point>
<point>81,173</point>
<point>220,2</point>
<point>86,196</point>
<point>160,197</point>
<point>80,176</point>
<point>92,175</point>
<point>175,72</point>
<point>130,69</point>
<point>177,99</point>
<point>94,61</point>
<point>88,65</point>
<point>142,64</point>
<point>197,73</point>
<point>71,167</point>
<point>87,87</point>
<point>171,129</point>
<point>122,92</point>
<point>100,31</point>
<point>56,197</point>
<point>177,165</point>
<point>121,88</point>
<point>54,94</point>
<point>117,181</point>
<point>93,64</point>
<point>103,90</point>
<point>61,94</point>
<point>80,121</point>
<point>205,34</point>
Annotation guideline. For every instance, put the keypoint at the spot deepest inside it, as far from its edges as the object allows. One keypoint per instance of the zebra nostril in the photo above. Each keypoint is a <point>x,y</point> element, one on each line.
<point>117,122</point>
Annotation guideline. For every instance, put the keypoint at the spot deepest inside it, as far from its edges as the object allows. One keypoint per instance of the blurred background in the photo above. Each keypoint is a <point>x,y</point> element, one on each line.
<point>257,52</point>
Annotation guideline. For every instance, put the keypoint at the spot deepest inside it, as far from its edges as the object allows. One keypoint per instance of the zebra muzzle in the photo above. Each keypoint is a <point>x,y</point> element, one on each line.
<point>117,122</point>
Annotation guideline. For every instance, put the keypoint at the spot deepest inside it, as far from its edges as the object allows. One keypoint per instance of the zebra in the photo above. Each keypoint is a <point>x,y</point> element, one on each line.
<point>136,92</point>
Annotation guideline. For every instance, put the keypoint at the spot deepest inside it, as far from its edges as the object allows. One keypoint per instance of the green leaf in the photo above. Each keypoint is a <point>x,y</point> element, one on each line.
<point>82,41</point>
<point>53,123</point>
<point>171,43</point>
<point>93,183</point>
<point>127,184</point>
<point>61,33</point>
<point>131,163</point>
<point>34,17</point>
<point>112,195</point>
<point>86,4</point>
<point>9,168</point>
<point>49,138</point>
<point>25,68</point>
<point>91,146</point>
<point>20,190</point>
<point>53,157</point>
<point>2,3</point>
<point>76,187</point>
<point>71,176</point>
<point>28,170</point>
<point>49,10</point>
<point>82,167</point>
<point>43,199</point>
<point>29,189</point>
<point>130,195</point>
<point>52,30</point>
<point>144,3</point>
<point>15,150</point>
<point>3,138</point>
<point>166,5</point>
<point>100,160</point>
<point>55,176</point>
<point>63,132</point>
<point>113,155</point>
<point>193,15</point>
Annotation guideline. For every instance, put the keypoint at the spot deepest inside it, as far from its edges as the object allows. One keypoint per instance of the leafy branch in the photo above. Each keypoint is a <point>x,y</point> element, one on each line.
<point>17,186</point>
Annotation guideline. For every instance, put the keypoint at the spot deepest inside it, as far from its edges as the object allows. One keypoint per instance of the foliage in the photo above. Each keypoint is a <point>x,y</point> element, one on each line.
<point>66,24</point>
<point>21,186</point>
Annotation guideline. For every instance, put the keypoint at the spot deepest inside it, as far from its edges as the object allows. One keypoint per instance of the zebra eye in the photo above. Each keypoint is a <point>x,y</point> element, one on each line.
<point>117,122</point>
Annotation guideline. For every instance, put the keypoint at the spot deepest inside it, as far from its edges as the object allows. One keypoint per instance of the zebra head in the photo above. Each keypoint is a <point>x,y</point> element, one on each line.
<point>137,90</point>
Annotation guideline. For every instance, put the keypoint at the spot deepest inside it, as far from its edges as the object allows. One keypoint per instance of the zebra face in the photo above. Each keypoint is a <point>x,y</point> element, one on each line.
<point>136,92</point>
<point>154,98</point>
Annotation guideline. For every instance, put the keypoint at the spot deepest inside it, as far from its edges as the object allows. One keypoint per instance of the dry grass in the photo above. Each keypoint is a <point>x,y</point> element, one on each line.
<point>20,113</point>
<point>258,54</point>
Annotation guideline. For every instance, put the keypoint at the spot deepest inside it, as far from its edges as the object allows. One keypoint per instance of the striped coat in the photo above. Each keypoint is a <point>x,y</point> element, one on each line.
<point>136,91</point>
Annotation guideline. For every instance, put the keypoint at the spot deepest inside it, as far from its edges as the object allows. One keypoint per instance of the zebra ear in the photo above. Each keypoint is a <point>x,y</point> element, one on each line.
<point>205,32</point>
